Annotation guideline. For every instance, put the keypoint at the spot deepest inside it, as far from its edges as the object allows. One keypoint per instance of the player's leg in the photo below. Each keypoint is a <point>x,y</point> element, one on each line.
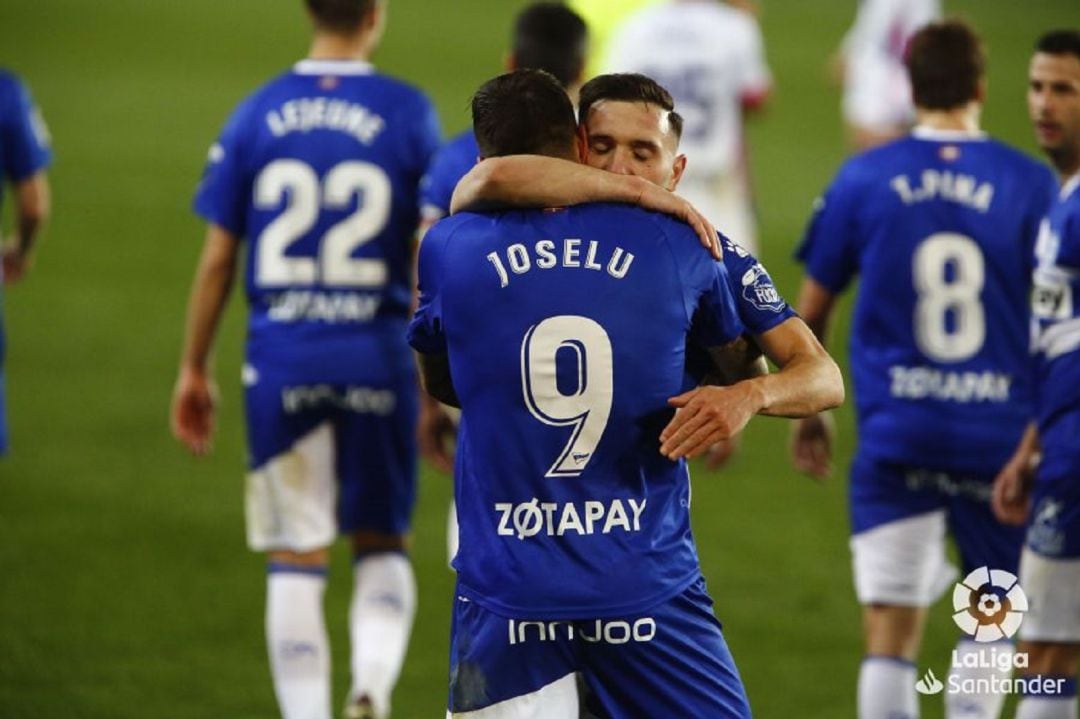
<point>1050,577</point>
<point>3,390</point>
<point>898,555</point>
<point>377,470</point>
<point>504,668</point>
<point>982,541</point>
<point>671,661</point>
<point>291,493</point>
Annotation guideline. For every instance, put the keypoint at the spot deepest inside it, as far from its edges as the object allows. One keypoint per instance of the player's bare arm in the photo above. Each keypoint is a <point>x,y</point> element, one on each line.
<point>195,394</point>
<point>32,201</point>
<point>812,437</point>
<point>808,382</point>
<point>537,181</point>
<point>435,375</point>
<point>1011,498</point>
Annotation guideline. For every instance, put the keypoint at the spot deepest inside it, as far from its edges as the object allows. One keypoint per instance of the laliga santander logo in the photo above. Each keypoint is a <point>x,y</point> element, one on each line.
<point>989,604</point>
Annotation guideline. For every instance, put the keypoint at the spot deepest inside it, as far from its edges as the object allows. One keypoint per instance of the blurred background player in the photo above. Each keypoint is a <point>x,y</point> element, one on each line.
<point>1050,563</point>
<point>511,312</point>
<point>24,156</point>
<point>940,226</point>
<point>877,103</point>
<point>547,36</point>
<point>624,120</point>
<point>710,56</point>
<point>319,172</point>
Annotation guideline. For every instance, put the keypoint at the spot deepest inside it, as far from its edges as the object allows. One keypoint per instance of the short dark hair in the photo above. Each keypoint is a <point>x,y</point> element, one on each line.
<point>340,15</point>
<point>550,36</point>
<point>628,87</point>
<point>1060,42</point>
<point>946,63</point>
<point>525,112</point>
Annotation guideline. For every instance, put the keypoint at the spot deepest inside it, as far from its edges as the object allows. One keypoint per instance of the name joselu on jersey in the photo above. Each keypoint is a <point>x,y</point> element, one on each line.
<point>955,187</point>
<point>553,519</point>
<point>544,256</point>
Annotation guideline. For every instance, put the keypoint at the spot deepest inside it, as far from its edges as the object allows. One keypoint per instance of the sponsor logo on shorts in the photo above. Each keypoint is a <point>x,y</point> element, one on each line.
<point>610,631</point>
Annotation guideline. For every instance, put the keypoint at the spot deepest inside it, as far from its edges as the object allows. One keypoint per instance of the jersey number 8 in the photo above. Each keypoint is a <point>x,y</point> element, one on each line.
<point>942,296</point>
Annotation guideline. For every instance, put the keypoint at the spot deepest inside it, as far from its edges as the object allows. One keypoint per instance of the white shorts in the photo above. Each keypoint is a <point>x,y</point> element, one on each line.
<point>724,201</point>
<point>1052,587</point>
<point>558,699</point>
<point>877,96</point>
<point>291,500</point>
<point>903,563</point>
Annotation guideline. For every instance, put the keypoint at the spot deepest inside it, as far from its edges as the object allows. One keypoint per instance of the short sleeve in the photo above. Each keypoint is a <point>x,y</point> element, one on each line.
<point>830,248</point>
<point>23,134</point>
<point>224,192</point>
<point>426,333</point>
<point>759,304</point>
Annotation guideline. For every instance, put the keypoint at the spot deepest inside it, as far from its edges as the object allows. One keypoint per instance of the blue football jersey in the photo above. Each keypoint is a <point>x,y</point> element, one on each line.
<point>319,170</point>
<point>940,227</point>
<point>24,139</point>
<point>566,333</point>
<point>450,164</point>
<point>1056,335</point>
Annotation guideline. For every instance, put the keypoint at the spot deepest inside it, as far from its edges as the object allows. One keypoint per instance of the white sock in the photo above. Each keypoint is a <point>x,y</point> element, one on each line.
<point>887,689</point>
<point>1059,706</point>
<point>380,620</point>
<point>976,706</point>
<point>1046,708</point>
<point>297,642</point>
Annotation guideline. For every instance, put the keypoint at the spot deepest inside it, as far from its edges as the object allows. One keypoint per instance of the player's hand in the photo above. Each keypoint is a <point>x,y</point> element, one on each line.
<point>719,454</point>
<point>436,433</point>
<point>192,414</point>
<point>705,416</point>
<point>16,264</point>
<point>1011,496</point>
<point>811,445</point>
<point>656,198</point>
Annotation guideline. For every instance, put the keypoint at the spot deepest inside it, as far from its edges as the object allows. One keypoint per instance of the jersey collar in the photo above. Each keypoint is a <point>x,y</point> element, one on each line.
<point>333,67</point>
<point>1069,186</point>
<point>923,132</point>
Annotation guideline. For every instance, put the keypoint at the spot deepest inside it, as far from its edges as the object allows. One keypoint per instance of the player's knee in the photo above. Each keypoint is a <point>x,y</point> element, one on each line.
<point>306,560</point>
<point>893,631</point>
<point>372,542</point>
<point>1051,658</point>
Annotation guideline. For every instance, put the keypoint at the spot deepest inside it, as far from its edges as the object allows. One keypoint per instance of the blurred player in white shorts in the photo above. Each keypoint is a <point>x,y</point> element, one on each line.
<point>710,57</point>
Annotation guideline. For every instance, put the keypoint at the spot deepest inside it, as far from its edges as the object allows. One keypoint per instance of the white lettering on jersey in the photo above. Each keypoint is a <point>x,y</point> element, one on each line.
<point>608,631</point>
<point>964,387</point>
<point>331,307</point>
<point>552,519</point>
<point>320,113</point>
<point>365,400</point>
<point>520,259</point>
<point>945,185</point>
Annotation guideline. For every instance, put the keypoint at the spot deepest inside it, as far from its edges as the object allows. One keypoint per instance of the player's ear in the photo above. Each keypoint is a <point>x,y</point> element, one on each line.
<point>510,62</point>
<point>677,169</point>
<point>980,91</point>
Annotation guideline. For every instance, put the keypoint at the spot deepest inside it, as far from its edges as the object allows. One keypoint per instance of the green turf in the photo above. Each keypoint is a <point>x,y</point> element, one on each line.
<point>125,587</point>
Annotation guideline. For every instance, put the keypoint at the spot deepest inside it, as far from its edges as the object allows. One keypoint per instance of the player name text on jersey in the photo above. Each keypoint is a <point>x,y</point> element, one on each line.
<point>546,254</point>
<point>319,113</point>
<point>945,185</point>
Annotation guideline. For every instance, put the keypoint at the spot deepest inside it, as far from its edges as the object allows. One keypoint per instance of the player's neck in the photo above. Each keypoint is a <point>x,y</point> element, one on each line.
<point>333,46</point>
<point>960,119</point>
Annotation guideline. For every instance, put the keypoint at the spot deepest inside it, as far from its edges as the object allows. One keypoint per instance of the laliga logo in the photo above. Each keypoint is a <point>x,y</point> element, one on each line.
<point>989,604</point>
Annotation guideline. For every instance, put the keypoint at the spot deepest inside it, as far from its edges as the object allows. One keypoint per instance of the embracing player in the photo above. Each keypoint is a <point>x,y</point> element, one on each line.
<point>318,172</point>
